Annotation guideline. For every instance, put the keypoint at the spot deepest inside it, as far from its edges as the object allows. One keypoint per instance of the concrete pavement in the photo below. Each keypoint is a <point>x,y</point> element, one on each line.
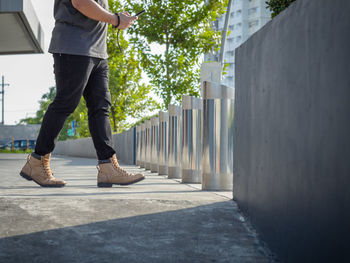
<point>156,220</point>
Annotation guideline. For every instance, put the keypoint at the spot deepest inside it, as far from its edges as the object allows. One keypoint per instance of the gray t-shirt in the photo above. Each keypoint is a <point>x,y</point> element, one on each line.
<point>77,34</point>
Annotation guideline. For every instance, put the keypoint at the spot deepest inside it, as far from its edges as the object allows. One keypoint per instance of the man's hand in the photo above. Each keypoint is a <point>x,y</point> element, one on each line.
<point>126,20</point>
<point>94,11</point>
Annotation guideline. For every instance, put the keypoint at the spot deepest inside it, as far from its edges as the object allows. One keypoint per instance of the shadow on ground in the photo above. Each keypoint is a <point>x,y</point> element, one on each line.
<point>207,233</point>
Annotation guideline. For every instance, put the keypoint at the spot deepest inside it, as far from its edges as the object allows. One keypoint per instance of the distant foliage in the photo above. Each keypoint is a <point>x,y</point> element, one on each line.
<point>277,6</point>
<point>79,115</point>
<point>182,29</point>
<point>130,95</point>
<point>45,101</point>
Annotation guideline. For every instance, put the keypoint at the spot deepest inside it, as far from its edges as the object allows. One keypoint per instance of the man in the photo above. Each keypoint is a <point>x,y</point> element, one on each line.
<point>79,49</point>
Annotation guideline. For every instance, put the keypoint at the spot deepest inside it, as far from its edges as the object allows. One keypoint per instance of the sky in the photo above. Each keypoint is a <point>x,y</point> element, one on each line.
<point>29,76</point>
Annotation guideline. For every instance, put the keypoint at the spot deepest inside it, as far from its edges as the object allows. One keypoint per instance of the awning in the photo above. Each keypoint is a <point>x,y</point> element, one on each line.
<point>20,30</point>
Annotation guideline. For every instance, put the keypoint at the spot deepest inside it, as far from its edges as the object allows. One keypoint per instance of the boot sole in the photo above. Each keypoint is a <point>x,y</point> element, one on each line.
<point>27,177</point>
<point>111,184</point>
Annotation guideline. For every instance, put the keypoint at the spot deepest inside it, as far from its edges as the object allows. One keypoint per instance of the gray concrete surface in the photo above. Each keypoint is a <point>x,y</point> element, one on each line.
<point>156,220</point>
<point>123,143</point>
<point>77,148</point>
<point>125,146</point>
<point>292,143</point>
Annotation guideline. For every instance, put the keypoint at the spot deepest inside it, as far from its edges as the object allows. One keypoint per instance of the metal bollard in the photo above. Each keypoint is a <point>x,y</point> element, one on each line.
<point>148,145</point>
<point>138,145</point>
<point>163,143</point>
<point>154,144</point>
<point>217,159</point>
<point>191,140</point>
<point>174,142</point>
<point>142,145</point>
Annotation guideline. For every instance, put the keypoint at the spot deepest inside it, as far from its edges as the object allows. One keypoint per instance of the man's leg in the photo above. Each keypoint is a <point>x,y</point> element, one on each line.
<point>72,74</point>
<point>98,101</point>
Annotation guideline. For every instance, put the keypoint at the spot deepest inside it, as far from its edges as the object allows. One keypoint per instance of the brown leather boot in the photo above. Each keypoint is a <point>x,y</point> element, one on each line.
<point>109,173</point>
<point>38,169</point>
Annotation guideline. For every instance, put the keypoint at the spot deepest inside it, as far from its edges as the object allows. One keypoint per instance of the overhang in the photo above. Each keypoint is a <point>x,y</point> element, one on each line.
<point>20,29</point>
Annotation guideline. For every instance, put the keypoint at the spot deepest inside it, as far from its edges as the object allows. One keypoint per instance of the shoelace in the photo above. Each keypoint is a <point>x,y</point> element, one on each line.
<point>121,170</point>
<point>46,166</point>
<point>115,161</point>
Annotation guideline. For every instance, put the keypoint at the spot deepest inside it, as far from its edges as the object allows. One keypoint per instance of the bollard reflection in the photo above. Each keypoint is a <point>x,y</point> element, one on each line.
<point>148,145</point>
<point>142,145</point>
<point>191,140</point>
<point>217,156</point>
<point>163,143</point>
<point>154,144</point>
<point>138,145</point>
<point>174,142</point>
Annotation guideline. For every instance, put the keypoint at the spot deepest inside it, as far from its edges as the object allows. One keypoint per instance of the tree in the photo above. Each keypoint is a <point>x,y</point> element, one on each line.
<point>184,30</point>
<point>44,102</point>
<point>79,116</point>
<point>277,6</point>
<point>130,98</point>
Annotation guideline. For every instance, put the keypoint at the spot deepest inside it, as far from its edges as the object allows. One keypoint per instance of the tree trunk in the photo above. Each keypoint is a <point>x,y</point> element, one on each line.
<point>168,94</point>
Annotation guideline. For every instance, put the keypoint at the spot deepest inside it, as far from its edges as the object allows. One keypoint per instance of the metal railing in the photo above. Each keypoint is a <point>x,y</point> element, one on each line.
<point>154,144</point>
<point>192,142</point>
<point>163,143</point>
<point>217,152</point>
<point>148,145</point>
<point>174,141</point>
<point>143,146</point>
<point>138,145</point>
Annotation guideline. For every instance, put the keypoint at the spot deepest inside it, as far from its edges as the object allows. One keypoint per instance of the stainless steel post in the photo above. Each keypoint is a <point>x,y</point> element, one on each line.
<point>217,158</point>
<point>163,143</point>
<point>154,144</point>
<point>174,142</point>
<point>142,145</point>
<point>138,144</point>
<point>148,145</point>
<point>191,140</point>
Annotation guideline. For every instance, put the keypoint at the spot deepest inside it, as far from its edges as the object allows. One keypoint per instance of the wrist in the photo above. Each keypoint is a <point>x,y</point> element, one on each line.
<point>116,20</point>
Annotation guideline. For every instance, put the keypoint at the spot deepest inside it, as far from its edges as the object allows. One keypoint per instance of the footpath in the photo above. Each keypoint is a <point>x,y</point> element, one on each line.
<point>156,220</point>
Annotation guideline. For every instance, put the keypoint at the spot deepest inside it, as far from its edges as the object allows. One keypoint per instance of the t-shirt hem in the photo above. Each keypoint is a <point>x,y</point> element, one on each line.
<point>93,55</point>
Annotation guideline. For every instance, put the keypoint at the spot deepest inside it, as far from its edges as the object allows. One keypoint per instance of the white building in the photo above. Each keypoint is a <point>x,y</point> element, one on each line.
<point>246,17</point>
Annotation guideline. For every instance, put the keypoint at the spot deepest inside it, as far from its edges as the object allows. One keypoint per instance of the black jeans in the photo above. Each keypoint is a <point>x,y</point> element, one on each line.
<point>78,76</point>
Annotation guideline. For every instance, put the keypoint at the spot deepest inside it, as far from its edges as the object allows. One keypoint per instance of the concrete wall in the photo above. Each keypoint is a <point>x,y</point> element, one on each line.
<point>79,148</point>
<point>123,143</point>
<point>292,131</point>
<point>29,132</point>
<point>125,146</point>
